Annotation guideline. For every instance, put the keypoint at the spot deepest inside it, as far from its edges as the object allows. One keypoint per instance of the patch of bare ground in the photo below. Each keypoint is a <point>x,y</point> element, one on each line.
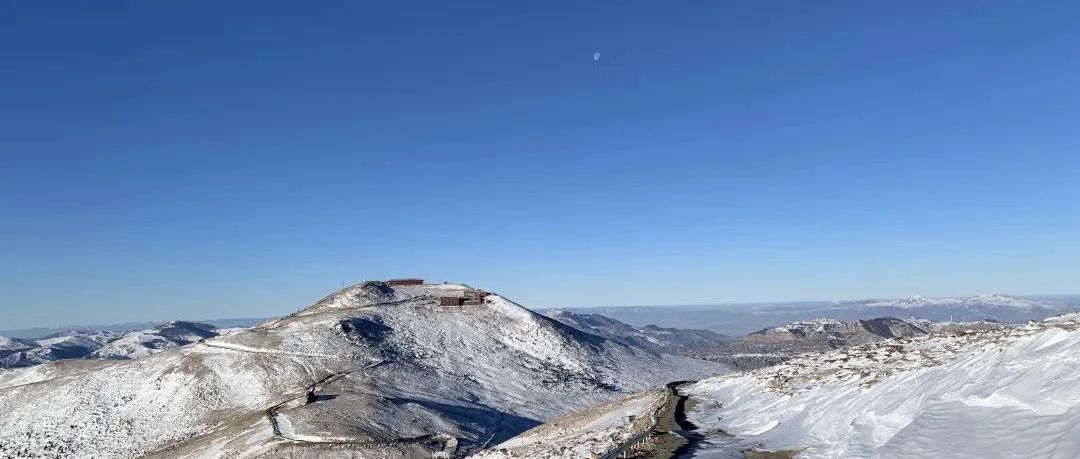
<point>673,431</point>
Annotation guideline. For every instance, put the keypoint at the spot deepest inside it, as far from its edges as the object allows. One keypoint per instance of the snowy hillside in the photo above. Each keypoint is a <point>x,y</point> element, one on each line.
<point>825,334</point>
<point>658,339</point>
<point>11,350</point>
<point>386,371</point>
<point>14,345</point>
<point>774,345</point>
<point>967,392</point>
<point>75,344</point>
<point>161,337</point>
<point>101,344</point>
<point>594,430</point>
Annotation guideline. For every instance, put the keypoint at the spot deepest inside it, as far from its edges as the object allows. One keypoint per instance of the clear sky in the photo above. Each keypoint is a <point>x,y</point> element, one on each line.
<point>204,159</point>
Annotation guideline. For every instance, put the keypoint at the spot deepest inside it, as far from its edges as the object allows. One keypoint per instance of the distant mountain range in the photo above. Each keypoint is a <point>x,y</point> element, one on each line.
<point>762,348</point>
<point>71,345</point>
<point>102,344</point>
<point>38,332</point>
<point>658,339</point>
<point>738,320</point>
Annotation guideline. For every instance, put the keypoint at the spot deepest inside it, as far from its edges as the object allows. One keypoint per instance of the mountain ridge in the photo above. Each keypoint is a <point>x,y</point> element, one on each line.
<point>352,366</point>
<point>658,339</point>
<point>738,320</point>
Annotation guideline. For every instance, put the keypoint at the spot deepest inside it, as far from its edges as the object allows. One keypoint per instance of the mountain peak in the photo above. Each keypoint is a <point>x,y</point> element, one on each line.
<point>374,364</point>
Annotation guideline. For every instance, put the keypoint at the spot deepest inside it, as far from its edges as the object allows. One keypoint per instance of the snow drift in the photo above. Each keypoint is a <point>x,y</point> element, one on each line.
<point>976,393</point>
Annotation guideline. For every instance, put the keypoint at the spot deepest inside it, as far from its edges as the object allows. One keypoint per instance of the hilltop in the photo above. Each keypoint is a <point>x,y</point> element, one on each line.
<point>374,368</point>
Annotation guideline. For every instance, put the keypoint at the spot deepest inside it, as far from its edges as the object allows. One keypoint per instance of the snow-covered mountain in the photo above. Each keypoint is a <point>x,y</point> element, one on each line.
<point>966,391</point>
<point>14,344</point>
<point>161,337</point>
<point>101,344</point>
<point>740,319</point>
<point>997,307</point>
<point>658,339</point>
<point>74,344</point>
<point>993,300</point>
<point>9,346</point>
<point>372,369</point>
<point>121,328</point>
<point>826,334</point>
<point>774,345</point>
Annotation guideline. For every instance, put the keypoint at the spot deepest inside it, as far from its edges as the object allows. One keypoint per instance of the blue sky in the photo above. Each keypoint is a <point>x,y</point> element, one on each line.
<point>197,160</point>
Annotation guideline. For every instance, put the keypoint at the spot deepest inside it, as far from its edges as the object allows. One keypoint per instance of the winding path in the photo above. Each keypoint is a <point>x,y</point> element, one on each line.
<point>278,420</point>
<point>255,350</point>
<point>282,427</point>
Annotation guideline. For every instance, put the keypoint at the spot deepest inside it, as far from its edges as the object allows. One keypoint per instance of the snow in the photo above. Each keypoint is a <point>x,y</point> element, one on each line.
<point>67,345</point>
<point>473,373</point>
<point>145,342</point>
<point>72,341</point>
<point>259,350</point>
<point>101,344</point>
<point>8,344</point>
<point>595,430</point>
<point>1005,392</point>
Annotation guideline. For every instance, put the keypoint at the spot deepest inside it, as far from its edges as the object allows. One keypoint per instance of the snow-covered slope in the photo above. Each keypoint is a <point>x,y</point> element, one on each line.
<point>11,350</point>
<point>101,344</point>
<point>161,337</point>
<point>381,370</point>
<point>775,344</point>
<point>73,344</point>
<point>658,339</point>
<point>974,392</point>
<point>581,434</point>
<point>825,334</point>
<point>14,345</point>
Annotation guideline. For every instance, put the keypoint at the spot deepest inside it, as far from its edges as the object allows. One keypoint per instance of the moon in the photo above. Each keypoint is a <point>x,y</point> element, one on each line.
<point>596,56</point>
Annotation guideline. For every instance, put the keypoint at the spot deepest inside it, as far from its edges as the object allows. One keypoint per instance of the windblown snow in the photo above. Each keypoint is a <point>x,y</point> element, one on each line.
<point>371,368</point>
<point>977,392</point>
